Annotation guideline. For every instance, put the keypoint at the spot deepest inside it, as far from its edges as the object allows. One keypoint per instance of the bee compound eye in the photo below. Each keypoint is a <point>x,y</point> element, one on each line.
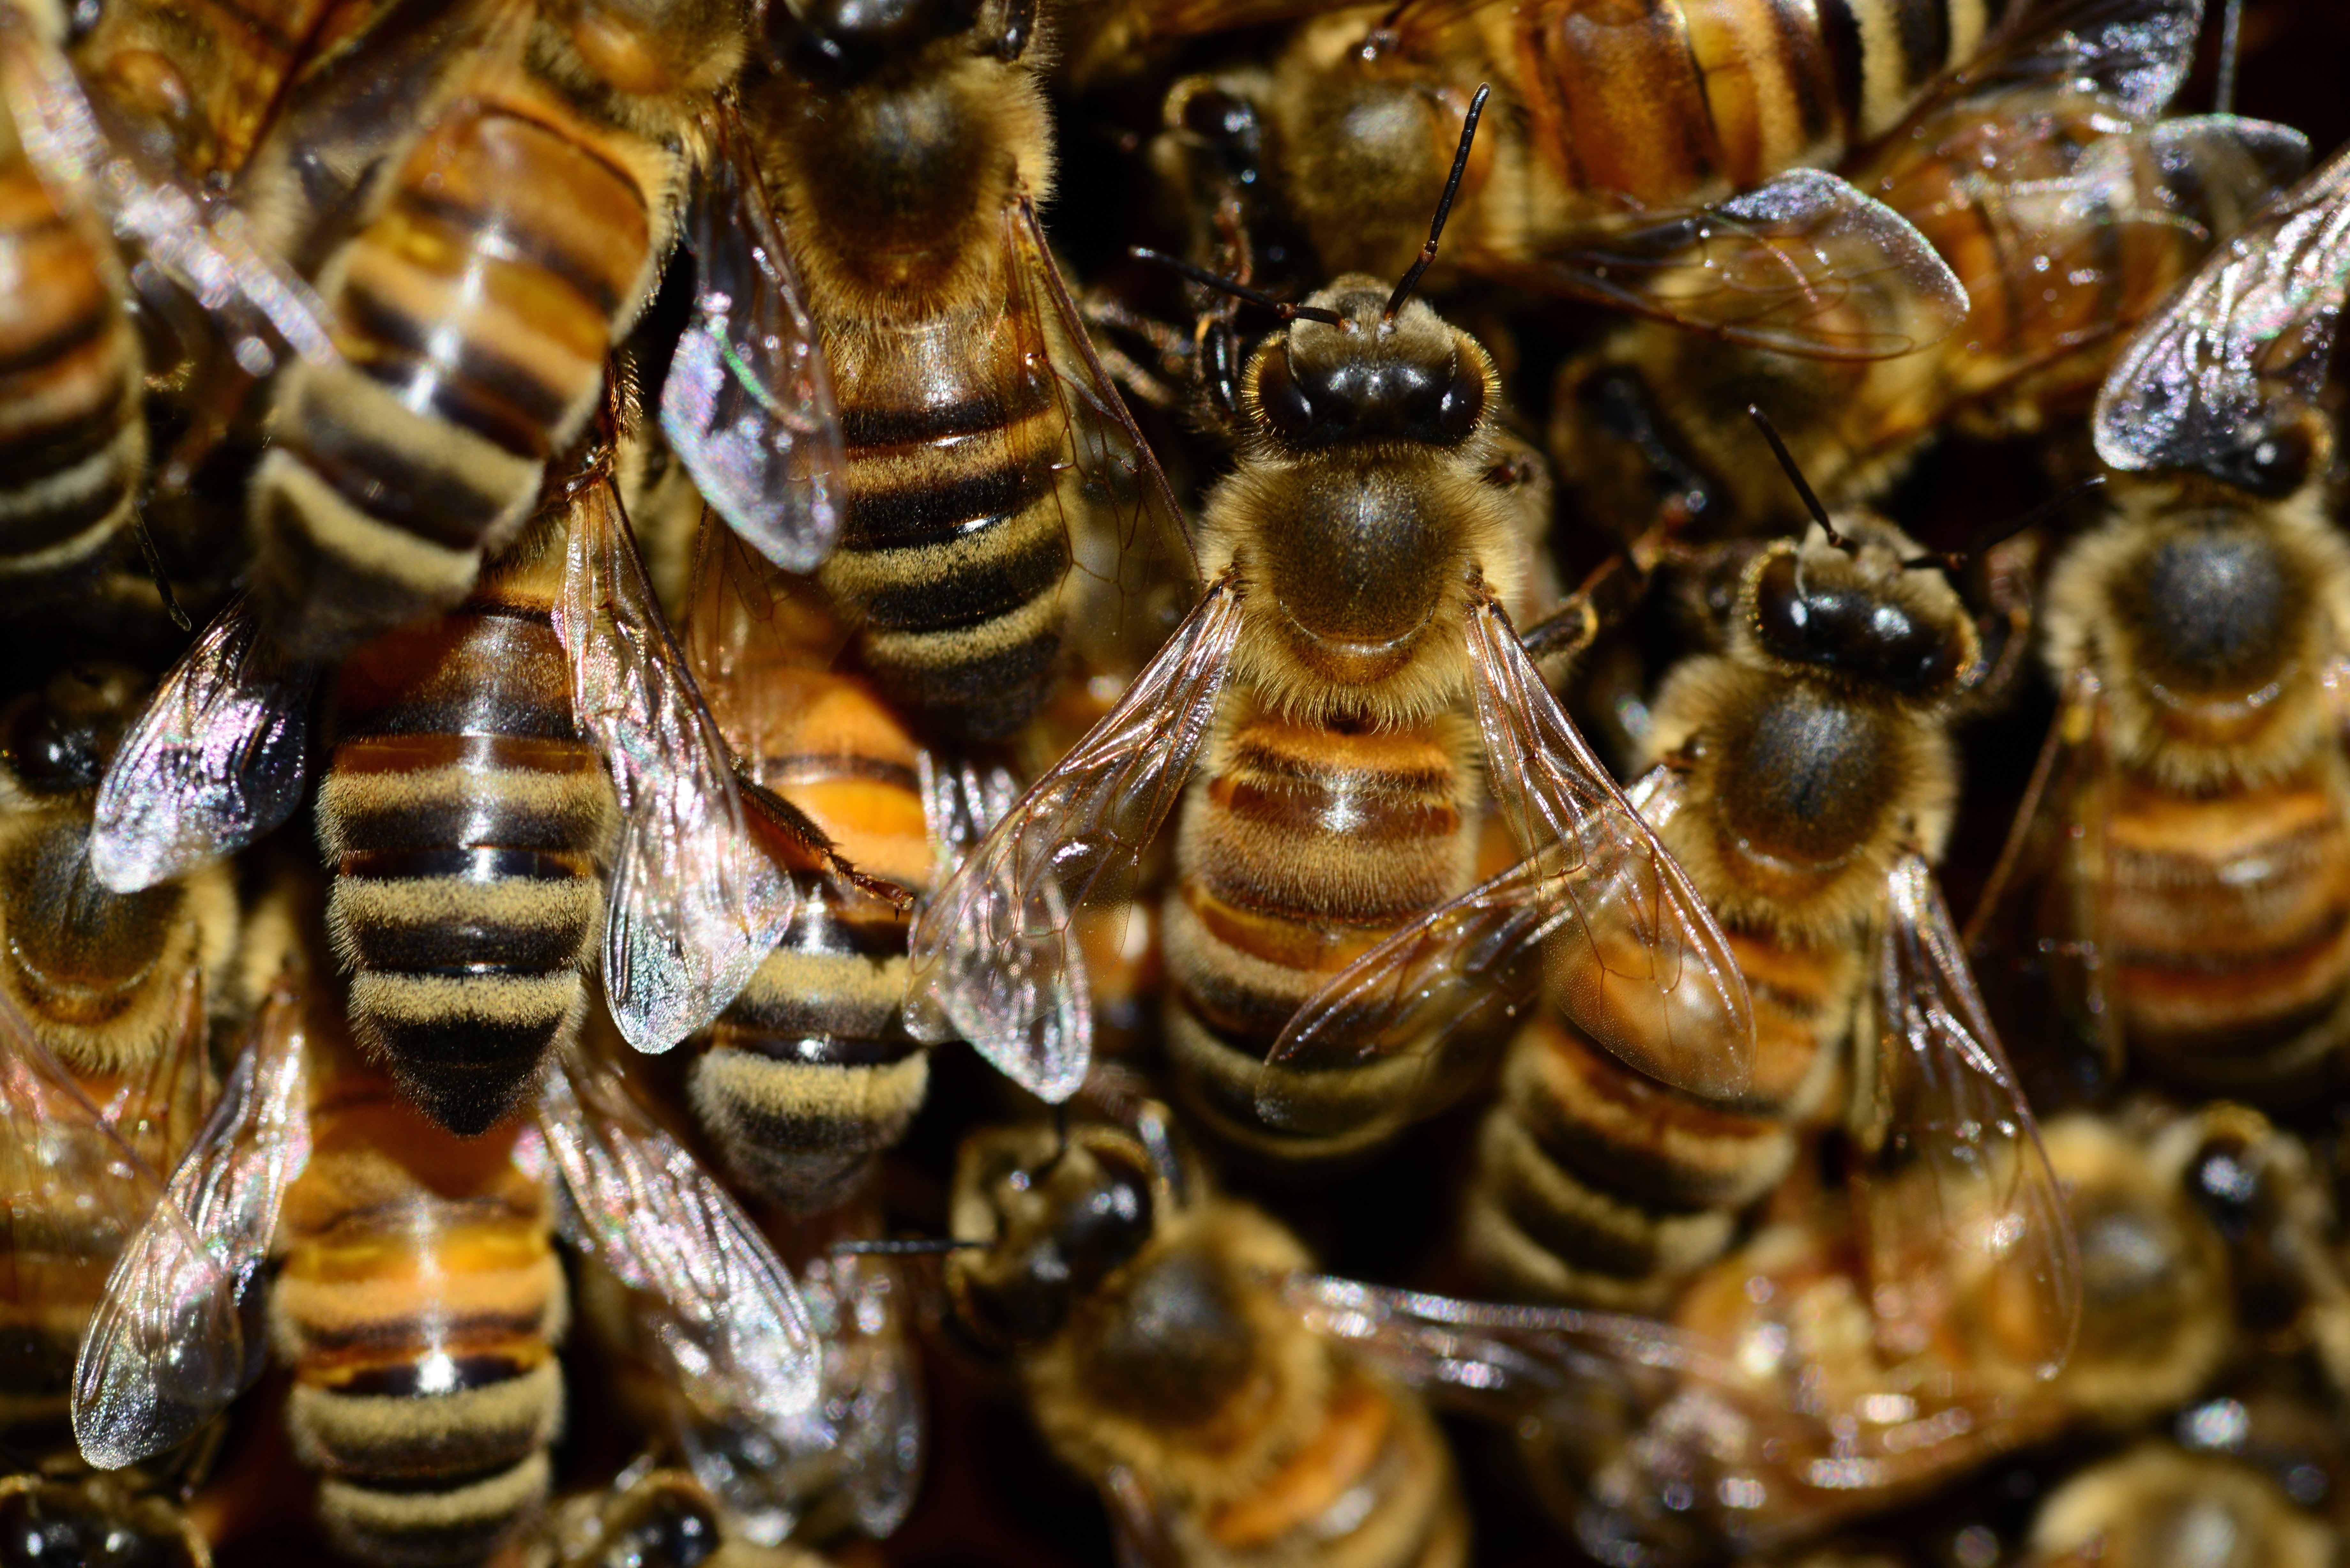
<point>1284,403</point>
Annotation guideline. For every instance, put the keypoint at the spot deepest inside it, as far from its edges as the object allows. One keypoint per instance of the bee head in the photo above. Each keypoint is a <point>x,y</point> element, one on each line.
<point>58,742</point>
<point>836,42</point>
<point>1057,1216</point>
<point>1860,606</point>
<point>1354,374</point>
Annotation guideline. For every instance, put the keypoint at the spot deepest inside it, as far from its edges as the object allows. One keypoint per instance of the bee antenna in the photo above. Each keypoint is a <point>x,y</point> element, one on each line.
<point>1237,289</point>
<point>1444,205</point>
<point>2000,533</point>
<point>903,1246</point>
<point>1060,1141</point>
<point>2223,91</point>
<point>1796,477</point>
<point>163,579</point>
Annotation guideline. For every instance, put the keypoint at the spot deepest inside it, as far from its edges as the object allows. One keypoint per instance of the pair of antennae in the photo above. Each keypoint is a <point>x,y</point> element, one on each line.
<point>1403,288</point>
<point>1943,560</point>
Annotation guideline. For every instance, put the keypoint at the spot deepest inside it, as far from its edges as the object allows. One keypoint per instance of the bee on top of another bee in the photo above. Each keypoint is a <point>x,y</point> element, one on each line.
<point>1364,556</point>
<point>2177,874</point>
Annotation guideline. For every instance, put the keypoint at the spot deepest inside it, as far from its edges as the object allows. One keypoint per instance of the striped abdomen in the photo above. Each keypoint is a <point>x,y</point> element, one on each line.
<point>468,824</point>
<point>810,1075</point>
<point>1676,101</point>
<point>1300,849</point>
<point>1599,1186</point>
<point>418,1310</point>
<point>474,313</point>
<point>2226,927</point>
<point>72,444</point>
<point>954,544</point>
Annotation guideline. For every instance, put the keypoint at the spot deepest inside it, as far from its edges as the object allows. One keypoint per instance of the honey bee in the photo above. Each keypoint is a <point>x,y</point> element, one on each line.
<point>107,1002</point>
<point>419,1302</point>
<point>810,1074</point>
<point>2065,223</point>
<point>1668,157</point>
<point>1164,1337</point>
<point>2177,873</point>
<point>998,507</point>
<point>1786,1395</point>
<point>1803,778</point>
<point>1362,557</point>
<point>468,815</point>
<point>654,1519</point>
<point>2159,1506</point>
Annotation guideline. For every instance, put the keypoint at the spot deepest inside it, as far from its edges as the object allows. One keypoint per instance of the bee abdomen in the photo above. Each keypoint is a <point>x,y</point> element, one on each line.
<point>474,313</point>
<point>71,441</point>
<point>468,868</point>
<point>2228,933</point>
<point>1673,99</point>
<point>955,543</point>
<point>1306,849</point>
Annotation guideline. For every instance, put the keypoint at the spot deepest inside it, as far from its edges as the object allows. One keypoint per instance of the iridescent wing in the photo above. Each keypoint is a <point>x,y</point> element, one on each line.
<point>196,237</point>
<point>747,406</point>
<point>2036,936</point>
<point>2127,55</point>
<point>167,1349</point>
<point>995,957</point>
<point>1460,974</point>
<point>1805,265</point>
<point>217,760</point>
<point>1952,1161</point>
<point>725,1312</point>
<point>1135,575</point>
<point>2244,348</point>
<point>694,905</point>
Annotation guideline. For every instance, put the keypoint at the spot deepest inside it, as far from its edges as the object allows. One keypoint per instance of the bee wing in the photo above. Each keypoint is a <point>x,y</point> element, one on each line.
<point>1499,1360</point>
<point>2129,56</point>
<point>873,1389</point>
<point>198,239</point>
<point>217,759</point>
<point>694,904</point>
<point>167,1349</point>
<point>2244,347</point>
<point>747,405</point>
<point>1458,974</point>
<point>1805,265</point>
<point>994,957</point>
<point>1954,1160</point>
<point>1134,572</point>
<point>1651,977</point>
<point>2035,937</point>
<point>725,1311</point>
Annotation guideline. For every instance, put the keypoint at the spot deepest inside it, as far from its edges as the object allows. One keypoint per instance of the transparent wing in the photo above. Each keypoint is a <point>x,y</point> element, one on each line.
<point>748,405</point>
<point>217,760</point>
<point>1954,1164</point>
<point>1135,572</point>
<point>695,906</point>
<point>197,238</point>
<point>1499,1360</point>
<point>1651,977</point>
<point>176,1336</point>
<point>1462,973</point>
<point>994,957</point>
<point>1805,266</point>
<point>725,1312</point>
<point>2244,348</point>
<point>2036,936</point>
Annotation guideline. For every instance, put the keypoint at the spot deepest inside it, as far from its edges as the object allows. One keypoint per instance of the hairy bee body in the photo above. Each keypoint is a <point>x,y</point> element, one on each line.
<point>506,249</point>
<point>895,190</point>
<point>119,989</point>
<point>1162,1362</point>
<point>810,1074</point>
<point>468,823</point>
<point>1596,1184</point>
<point>417,1307</point>
<point>2212,870</point>
<point>1301,846</point>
